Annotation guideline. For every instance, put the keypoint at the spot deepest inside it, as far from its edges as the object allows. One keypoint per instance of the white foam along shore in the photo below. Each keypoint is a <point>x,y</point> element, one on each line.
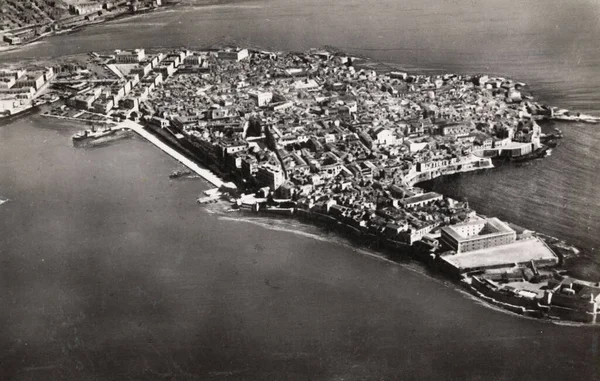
<point>202,172</point>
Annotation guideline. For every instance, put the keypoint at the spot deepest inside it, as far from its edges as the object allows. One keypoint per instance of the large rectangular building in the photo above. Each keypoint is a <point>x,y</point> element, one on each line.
<point>522,252</point>
<point>130,56</point>
<point>14,74</point>
<point>421,199</point>
<point>233,54</point>
<point>85,7</point>
<point>477,235</point>
<point>456,130</point>
<point>271,176</point>
<point>262,98</point>
<point>33,79</point>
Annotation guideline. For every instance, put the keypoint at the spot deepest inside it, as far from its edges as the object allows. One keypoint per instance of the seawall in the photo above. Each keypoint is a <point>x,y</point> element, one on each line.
<point>202,172</point>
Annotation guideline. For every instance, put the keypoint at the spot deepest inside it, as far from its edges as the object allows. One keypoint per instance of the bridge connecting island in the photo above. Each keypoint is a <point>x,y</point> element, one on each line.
<point>336,139</point>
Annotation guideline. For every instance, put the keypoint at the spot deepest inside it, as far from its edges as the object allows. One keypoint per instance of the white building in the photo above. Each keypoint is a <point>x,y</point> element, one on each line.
<point>271,176</point>
<point>33,79</point>
<point>129,56</point>
<point>384,137</point>
<point>261,98</point>
<point>85,8</point>
<point>233,54</point>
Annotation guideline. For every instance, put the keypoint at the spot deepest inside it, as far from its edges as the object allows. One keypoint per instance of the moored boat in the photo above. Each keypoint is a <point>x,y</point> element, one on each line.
<point>97,136</point>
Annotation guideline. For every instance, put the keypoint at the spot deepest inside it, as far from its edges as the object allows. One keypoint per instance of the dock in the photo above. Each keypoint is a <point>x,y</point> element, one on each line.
<point>202,172</point>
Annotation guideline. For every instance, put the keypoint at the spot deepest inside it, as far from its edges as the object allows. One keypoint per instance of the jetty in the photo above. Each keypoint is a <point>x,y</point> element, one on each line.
<point>202,172</point>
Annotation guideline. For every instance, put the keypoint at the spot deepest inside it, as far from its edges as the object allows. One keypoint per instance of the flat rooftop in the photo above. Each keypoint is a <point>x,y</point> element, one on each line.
<point>493,226</point>
<point>422,197</point>
<point>513,253</point>
<point>509,146</point>
<point>538,288</point>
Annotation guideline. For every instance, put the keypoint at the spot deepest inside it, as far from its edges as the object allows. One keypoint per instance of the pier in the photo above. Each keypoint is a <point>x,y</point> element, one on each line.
<point>202,172</point>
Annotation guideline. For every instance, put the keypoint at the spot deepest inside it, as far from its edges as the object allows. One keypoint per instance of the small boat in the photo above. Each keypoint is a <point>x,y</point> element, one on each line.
<point>180,173</point>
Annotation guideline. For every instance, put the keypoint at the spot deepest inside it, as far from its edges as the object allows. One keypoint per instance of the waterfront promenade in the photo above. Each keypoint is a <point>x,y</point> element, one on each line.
<point>202,172</point>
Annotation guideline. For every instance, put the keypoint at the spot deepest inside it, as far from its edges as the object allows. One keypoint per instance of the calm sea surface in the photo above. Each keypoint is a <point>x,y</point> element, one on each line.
<point>110,271</point>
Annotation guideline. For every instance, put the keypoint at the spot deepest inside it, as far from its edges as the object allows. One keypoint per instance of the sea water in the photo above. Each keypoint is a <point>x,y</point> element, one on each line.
<point>109,270</point>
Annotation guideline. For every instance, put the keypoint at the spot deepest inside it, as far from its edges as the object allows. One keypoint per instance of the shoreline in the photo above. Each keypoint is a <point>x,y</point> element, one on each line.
<point>206,174</point>
<point>108,18</point>
<point>354,242</point>
<point>400,244</point>
<point>270,221</point>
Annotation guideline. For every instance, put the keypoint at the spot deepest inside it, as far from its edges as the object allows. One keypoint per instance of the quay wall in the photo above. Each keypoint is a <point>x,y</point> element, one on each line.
<point>571,314</point>
<point>203,172</point>
<point>532,310</point>
<point>398,251</point>
<point>502,296</point>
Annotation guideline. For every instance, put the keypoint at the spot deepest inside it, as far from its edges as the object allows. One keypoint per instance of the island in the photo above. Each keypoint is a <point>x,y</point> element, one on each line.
<point>334,140</point>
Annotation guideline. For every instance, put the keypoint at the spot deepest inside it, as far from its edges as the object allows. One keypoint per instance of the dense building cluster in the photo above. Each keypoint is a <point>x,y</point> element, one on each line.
<point>321,129</point>
<point>24,20</point>
<point>325,136</point>
<point>326,131</point>
<point>20,87</point>
<point>21,13</point>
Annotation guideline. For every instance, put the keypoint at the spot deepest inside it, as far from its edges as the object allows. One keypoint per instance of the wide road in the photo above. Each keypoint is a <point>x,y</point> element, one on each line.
<point>202,172</point>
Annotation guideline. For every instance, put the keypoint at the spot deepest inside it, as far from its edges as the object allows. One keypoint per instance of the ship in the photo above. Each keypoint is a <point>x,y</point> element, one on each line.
<point>95,136</point>
<point>8,117</point>
<point>551,139</point>
<point>39,105</point>
<point>568,116</point>
<point>537,154</point>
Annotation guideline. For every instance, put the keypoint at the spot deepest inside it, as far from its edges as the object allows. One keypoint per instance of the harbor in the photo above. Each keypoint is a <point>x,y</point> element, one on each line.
<point>202,172</point>
<point>105,257</point>
<point>100,135</point>
<point>309,153</point>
